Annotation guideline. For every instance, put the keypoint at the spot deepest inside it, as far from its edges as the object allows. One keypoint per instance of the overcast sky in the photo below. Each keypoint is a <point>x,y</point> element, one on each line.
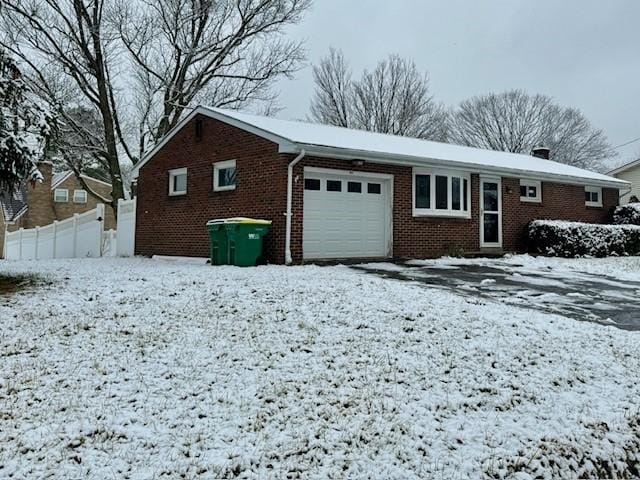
<point>584,53</point>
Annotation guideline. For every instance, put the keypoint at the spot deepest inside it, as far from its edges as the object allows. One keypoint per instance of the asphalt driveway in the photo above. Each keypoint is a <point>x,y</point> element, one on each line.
<point>579,295</point>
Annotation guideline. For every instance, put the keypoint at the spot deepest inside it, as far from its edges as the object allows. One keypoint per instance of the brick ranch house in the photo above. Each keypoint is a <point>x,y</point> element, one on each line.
<point>336,193</point>
<point>58,197</point>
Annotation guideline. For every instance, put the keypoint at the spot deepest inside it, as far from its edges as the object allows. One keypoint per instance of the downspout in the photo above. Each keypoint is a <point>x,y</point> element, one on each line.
<point>287,240</point>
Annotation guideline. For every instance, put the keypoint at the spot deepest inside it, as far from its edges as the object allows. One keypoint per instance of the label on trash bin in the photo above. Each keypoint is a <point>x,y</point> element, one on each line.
<point>254,236</point>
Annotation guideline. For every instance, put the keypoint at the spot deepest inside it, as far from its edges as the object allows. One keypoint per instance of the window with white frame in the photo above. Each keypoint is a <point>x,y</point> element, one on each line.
<point>178,181</point>
<point>61,195</point>
<point>79,196</point>
<point>530,191</point>
<point>593,196</point>
<point>224,175</point>
<point>441,193</point>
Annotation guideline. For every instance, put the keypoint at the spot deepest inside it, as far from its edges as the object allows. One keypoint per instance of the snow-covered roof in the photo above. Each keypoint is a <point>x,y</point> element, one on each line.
<point>338,142</point>
<point>60,177</point>
<point>14,203</point>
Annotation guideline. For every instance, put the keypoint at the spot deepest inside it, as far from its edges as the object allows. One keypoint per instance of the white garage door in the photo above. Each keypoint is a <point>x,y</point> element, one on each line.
<point>346,215</point>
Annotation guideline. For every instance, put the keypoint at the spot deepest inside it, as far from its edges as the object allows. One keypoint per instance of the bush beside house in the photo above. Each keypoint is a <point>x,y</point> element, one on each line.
<point>628,214</point>
<point>574,239</point>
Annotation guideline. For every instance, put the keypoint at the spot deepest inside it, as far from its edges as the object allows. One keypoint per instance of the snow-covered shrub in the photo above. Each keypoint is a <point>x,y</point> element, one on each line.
<point>628,214</point>
<point>574,239</point>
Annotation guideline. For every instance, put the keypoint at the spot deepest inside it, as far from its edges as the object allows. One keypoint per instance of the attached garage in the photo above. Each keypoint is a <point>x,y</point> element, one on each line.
<point>346,214</point>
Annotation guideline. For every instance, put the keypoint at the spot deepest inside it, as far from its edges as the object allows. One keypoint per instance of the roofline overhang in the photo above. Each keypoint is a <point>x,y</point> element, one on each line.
<point>285,145</point>
<point>410,161</point>
<point>202,110</point>
<point>625,167</point>
<point>86,177</point>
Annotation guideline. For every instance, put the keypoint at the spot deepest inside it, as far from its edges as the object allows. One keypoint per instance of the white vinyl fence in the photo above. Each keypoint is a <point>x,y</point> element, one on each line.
<point>126,228</point>
<point>80,236</point>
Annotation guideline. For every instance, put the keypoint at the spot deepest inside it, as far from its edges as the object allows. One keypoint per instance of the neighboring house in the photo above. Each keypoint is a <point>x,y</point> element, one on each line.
<point>631,173</point>
<point>353,194</point>
<point>57,197</point>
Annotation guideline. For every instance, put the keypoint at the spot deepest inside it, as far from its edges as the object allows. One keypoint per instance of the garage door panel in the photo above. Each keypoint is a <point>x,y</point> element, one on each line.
<point>343,224</point>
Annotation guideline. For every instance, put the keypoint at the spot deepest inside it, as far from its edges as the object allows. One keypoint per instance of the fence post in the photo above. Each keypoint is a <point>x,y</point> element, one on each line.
<point>55,237</point>
<point>75,235</point>
<point>37,240</point>
<point>100,212</point>
<point>5,242</point>
<point>20,249</point>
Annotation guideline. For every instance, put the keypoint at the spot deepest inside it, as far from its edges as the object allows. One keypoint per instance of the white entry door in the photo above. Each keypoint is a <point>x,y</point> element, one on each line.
<point>346,214</point>
<point>490,212</point>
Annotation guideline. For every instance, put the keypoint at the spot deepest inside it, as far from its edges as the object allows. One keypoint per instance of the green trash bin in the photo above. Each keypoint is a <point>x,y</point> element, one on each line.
<point>237,241</point>
<point>218,245</point>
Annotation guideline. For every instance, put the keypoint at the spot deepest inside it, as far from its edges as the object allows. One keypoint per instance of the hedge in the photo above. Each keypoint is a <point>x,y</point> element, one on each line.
<point>628,214</point>
<point>576,239</point>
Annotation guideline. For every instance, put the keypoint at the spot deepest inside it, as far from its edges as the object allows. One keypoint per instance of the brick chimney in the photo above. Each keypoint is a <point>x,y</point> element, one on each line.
<point>541,152</point>
<point>40,198</point>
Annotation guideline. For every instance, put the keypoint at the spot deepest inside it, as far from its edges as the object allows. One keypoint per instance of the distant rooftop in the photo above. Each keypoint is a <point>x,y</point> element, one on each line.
<point>13,204</point>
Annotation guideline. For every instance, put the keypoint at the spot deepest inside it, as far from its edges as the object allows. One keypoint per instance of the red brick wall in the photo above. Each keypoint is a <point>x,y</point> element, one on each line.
<point>176,225</point>
<point>559,202</point>
<point>412,236</point>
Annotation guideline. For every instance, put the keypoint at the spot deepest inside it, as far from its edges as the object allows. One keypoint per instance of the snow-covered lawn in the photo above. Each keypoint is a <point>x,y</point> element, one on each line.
<point>145,369</point>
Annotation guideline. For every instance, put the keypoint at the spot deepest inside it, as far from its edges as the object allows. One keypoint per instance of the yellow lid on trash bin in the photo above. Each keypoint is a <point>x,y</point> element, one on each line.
<point>244,220</point>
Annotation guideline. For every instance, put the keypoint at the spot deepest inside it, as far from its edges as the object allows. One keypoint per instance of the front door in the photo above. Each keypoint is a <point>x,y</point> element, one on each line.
<point>490,212</point>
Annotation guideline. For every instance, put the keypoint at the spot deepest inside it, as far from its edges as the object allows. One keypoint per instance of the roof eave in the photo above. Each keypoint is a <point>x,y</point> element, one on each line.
<point>208,112</point>
<point>410,161</point>
<point>624,168</point>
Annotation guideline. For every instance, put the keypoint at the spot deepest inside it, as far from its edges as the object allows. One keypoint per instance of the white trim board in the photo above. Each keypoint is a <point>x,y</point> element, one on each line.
<point>625,167</point>
<point>498,181</point>
<point>86,177</point>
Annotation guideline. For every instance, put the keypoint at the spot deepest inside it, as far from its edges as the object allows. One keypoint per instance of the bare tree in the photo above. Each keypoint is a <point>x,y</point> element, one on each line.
<point>334,96</point>
<point>68,55</point>
<point>394,98</point>
<point>225,53</point>
<point>515,121</point>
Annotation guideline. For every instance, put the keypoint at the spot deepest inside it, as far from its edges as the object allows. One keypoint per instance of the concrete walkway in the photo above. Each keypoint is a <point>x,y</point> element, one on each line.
<point>578,295</point>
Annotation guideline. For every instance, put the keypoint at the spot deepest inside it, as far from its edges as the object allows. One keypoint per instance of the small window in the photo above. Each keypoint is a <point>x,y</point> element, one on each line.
<point>79,196</point>
<point>593,196</point>
<point>423,191</point>
<point>61,195</point>
<point>530,191</point>
<point>311,184</point>
<point>178,181</point>
<point>455,193</point>
<point>442,195</point>
<point>465,197</point>
<point>224,176</point>
<point>374,188</point>
<point>354,187</point>
<point>334,186</point>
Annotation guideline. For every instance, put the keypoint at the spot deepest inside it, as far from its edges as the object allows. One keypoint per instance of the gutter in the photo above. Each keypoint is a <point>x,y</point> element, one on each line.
<point>287,240</point>
<point>409,161</point>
